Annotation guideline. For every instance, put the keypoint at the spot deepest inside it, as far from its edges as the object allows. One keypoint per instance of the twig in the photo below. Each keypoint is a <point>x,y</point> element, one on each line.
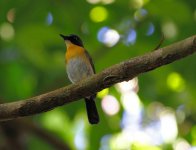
<point>160,42</point>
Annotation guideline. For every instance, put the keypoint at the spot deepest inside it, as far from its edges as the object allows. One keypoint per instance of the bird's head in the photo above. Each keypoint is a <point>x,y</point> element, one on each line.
<point>74,39</point>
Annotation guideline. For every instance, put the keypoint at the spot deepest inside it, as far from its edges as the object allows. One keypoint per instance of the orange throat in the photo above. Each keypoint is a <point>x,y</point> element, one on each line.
<point>73,51</point>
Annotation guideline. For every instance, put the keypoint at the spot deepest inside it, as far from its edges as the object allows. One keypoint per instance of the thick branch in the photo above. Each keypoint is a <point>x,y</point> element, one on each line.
<point>123,71</point>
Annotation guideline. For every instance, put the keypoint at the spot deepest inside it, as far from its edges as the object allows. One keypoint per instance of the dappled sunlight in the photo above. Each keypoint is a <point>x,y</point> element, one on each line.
<point>162,129</point>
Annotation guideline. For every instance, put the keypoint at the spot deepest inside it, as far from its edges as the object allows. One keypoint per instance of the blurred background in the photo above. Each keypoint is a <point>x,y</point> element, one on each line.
<point>154,111</point>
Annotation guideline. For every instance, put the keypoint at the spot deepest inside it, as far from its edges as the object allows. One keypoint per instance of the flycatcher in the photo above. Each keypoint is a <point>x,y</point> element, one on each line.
<point>79,65</point>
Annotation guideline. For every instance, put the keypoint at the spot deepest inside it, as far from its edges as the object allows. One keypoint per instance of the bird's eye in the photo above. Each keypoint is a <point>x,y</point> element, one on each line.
<point>76,38</point>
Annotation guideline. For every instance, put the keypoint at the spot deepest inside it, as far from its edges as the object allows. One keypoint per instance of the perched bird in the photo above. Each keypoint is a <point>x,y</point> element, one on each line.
<point>79,66</point>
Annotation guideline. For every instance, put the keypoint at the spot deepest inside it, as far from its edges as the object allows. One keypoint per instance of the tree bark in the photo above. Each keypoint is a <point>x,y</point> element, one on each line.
<point>123,71</point>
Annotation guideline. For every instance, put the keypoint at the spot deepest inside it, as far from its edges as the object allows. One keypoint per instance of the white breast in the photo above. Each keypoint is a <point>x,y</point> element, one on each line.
<point>77,69</point>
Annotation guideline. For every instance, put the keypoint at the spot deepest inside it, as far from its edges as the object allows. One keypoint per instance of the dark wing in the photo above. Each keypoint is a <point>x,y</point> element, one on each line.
<point>91,61</point>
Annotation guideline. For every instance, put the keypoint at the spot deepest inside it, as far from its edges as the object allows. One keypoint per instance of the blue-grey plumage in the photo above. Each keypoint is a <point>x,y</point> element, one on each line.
<point>78,69</point>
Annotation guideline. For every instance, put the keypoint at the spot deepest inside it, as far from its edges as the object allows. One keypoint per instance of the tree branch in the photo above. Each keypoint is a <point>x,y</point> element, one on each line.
<point>123,71</point>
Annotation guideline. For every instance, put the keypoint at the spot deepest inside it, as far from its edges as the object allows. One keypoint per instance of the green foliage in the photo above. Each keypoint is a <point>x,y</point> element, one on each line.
<point>32,62</point>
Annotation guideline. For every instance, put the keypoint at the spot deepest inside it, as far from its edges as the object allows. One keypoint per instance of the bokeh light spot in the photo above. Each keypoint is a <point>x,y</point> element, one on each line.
<point>110,105</point>
<point>141,146</point>
<point>57,117</point>
<point>154,110</point>
<point>175,82</point>
<point>107,1</point>
<point>126,86</point>
<point>181,144</point>
<point>105,140</point>
<point>98,14</point>
<point>150,30</point>
<point>140,14</point>
<point>169,29</point>
<point>93,1</point>
<point>108,36</point>
<point>131,38</point>
<point>180,114</point>
<point>120,142</point>
<point>7,31</point>
<point>169,130</point>
<point>103,93</point>
<point>98,1</point>
<point>11,15</point>
<point>80,140</point>
<point>136,3</point>
<point>49,19</point>
<point>192,148</point>
<point>101,33</point>
<point>131,103</point>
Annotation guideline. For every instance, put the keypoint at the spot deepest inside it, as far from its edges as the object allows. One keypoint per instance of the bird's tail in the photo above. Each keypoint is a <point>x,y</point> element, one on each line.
<point>93,116</point>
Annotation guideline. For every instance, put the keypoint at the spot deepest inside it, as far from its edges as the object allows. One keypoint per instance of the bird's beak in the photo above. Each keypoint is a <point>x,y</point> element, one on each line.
<point>64,37</point>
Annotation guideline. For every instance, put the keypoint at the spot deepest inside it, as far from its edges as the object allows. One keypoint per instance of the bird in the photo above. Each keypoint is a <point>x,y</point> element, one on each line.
<point>79,66</point>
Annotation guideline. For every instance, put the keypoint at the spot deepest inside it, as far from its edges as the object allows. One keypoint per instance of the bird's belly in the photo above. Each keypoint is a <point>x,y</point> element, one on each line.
<point>78,69</point>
